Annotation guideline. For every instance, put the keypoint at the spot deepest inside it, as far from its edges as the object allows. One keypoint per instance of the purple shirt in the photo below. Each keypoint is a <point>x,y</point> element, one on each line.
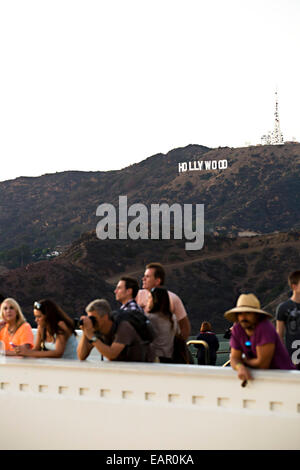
<point>264,333</point>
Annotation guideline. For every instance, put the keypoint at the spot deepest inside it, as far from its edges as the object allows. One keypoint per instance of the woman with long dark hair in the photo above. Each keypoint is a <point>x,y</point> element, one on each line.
<point>56,336</point>
<point>164,323</point>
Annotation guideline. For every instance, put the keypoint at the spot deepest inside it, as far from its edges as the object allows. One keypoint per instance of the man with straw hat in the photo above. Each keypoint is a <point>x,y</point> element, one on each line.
<point>254,341</point>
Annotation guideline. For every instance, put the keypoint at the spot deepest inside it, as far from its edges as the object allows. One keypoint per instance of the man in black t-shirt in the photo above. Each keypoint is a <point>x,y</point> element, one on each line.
<point>288,319</point>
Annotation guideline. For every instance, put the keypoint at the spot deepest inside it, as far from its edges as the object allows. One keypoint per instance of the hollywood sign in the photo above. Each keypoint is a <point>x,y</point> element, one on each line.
<point>201,165</point>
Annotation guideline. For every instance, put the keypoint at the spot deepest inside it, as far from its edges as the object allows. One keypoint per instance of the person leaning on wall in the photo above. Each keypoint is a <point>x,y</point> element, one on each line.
<point>14,329</point>
<point>115,338</point>
<point>254,342</point>
<point>56,336</point>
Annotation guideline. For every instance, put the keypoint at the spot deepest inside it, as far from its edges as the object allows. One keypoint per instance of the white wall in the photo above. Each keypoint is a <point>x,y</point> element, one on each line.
<point>57,404</point>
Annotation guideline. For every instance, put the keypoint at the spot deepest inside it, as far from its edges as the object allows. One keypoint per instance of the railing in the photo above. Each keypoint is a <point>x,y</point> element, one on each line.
<point>227,363</point>
<point>206,347</point>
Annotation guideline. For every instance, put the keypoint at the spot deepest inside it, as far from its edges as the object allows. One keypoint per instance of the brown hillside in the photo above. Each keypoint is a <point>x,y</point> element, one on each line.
<point>259,191</point>
<point>208,281</point>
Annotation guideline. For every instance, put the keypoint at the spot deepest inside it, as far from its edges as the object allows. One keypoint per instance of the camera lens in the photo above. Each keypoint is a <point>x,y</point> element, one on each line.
<point>79,323</point>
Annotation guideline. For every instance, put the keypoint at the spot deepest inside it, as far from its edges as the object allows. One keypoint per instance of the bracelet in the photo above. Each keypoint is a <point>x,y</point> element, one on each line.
<point>238,365</point>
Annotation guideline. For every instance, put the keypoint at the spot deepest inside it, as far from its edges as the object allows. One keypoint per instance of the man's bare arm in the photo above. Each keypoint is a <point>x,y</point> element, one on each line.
<point>185,327</point>
<point>280,328</point>
<point>264,357</point>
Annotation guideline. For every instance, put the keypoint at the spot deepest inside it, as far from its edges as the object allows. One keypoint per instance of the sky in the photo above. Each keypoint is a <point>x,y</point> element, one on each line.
<point>98,85</point>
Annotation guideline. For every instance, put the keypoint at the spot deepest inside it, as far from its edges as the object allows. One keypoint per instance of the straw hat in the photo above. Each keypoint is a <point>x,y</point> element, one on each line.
<point>245,303</point>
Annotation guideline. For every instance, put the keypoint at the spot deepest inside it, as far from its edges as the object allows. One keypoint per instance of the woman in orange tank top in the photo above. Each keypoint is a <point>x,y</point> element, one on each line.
<point>14,329</point>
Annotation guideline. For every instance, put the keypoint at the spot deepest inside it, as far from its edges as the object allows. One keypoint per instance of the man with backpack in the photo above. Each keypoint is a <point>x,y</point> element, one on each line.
<point>125,335</point>
<point>288,319</point>
<point>125,293</point>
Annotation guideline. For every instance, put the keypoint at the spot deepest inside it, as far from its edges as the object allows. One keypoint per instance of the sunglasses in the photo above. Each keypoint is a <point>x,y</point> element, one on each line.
<point>37,306</point>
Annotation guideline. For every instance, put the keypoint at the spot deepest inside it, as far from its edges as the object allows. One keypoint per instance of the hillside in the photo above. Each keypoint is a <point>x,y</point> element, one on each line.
<point>258,191</point>
<point>208,281</point>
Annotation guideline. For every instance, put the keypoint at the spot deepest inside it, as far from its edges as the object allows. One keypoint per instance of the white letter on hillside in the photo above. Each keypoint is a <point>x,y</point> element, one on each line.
<point>182,167</point>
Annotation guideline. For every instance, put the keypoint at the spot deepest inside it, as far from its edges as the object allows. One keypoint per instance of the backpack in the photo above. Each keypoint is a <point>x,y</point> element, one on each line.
<point>138,320</point>
<point>293,320</point>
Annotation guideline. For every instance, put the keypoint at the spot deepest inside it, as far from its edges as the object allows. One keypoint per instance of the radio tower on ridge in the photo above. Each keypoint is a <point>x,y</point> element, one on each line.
<point>277,134</point>
<point>275,137</point>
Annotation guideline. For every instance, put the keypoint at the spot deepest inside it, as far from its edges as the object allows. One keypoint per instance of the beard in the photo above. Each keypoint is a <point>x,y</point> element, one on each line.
<point>247,325</point>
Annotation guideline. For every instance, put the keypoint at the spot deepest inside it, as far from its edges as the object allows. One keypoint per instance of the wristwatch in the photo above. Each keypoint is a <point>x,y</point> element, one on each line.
<point>93,339</point>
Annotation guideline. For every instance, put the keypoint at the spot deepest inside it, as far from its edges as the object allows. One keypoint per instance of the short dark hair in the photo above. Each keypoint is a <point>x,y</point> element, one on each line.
<point>294,278</point>
<point>159,272</point>
<point>131,283</point>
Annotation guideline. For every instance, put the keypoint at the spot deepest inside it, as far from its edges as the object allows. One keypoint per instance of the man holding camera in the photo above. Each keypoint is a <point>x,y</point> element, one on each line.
<point>117,341</point>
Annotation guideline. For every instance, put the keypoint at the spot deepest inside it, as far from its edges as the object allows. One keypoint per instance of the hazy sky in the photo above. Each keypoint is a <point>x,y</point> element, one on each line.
<point>98,85</point>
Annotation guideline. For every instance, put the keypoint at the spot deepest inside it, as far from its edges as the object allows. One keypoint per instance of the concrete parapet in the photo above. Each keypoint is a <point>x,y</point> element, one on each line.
<point>57,404</point>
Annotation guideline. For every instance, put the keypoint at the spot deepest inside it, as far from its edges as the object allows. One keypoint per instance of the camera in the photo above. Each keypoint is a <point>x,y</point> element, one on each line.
<point>78,323</point>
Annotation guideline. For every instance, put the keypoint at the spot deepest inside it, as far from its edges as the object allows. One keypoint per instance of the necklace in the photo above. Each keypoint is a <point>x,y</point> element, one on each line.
<point>12,330</point>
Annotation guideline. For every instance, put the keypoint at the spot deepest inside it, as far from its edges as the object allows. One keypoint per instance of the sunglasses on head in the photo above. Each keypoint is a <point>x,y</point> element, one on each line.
<point>37,306</point>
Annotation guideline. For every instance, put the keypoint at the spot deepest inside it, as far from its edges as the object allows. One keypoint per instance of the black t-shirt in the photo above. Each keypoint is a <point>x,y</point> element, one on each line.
<point>289,313</point>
